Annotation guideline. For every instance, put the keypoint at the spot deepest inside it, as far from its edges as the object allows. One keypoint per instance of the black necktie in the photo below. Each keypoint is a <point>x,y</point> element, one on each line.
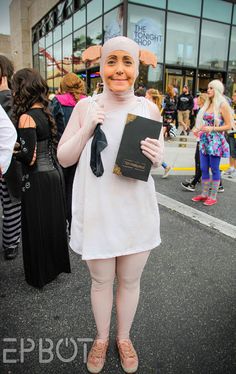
<point>98,144</point>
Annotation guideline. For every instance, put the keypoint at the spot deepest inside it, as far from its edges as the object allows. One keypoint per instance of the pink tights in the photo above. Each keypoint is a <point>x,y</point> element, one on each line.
<point>128,270</point>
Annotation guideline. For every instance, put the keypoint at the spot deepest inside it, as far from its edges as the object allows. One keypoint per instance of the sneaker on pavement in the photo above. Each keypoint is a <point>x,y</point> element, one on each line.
<point>188,186</point>
<point>233,174</point>
<point>128,355</point>
<point>189,180</point>
<point>97,356</point>
<point>220,189</point>
<point>199,198</point>
<point>166,172</point>
<point>209,201</point>
<point>10,252</point>
<point>228,171</point>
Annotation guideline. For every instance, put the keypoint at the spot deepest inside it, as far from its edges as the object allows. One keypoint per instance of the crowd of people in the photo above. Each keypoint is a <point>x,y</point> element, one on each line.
<point>51,195</point>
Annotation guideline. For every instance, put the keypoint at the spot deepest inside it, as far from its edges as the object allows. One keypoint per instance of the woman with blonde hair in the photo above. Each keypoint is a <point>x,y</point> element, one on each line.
<point>72,90</point>
<point>155,96</point>
<point>212,121</point>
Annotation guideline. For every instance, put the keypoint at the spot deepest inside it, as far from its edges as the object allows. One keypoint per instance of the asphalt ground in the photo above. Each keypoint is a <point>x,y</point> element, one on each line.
<point>225,209</point>
<point>185,322</point>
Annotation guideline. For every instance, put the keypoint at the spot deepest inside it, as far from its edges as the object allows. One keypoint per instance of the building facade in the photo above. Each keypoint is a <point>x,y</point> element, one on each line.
<point>195,41</point>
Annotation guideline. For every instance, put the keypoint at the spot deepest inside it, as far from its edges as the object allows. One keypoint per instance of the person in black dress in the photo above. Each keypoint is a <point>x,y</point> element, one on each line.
<point>44,237</point>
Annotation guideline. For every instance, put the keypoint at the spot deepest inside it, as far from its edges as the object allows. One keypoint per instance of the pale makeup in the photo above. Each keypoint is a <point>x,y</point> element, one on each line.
<point>119,71</point>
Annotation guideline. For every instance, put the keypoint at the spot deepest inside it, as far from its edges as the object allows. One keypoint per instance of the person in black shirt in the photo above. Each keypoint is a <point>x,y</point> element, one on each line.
<point>184,107</point>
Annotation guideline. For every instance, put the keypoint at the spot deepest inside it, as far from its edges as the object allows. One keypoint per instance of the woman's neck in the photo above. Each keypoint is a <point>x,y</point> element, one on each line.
<point>116,100</point>
<point>37,105</point>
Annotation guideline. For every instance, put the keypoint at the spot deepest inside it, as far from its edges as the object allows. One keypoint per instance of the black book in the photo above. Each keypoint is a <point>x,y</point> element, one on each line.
<point>130,161</point>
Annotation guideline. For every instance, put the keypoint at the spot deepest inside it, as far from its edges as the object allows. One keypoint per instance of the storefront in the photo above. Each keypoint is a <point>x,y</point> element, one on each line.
<point>195,41</point>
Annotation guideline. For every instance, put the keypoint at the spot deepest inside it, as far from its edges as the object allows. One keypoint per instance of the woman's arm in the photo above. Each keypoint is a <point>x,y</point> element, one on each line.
<point>227,117</point>
<point>79,129</point>
<point>27,140</point>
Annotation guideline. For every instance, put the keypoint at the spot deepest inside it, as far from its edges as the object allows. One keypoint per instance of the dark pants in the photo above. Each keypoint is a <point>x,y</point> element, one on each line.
<point>198,172</point>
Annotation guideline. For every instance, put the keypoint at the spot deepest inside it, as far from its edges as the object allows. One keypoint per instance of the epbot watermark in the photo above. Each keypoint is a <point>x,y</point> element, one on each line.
<point>18,350</point>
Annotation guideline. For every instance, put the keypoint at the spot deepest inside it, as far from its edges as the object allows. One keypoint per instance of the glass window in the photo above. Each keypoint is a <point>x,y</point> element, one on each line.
<point>110,4</point>
<point>67,53</point>
<point>79,18</point>
<point>146,27</point>
<point>182,40</point>
<point>113,23</point>
<point>36,62</point>
<point>214,34</point>
<point>94,36</point>
<point>230,84</point>
<point>57,34</point>
<point>35,48</point>
<point>49,67</point>
<point>42,43</point>
<point>48,39</point>
<point>94,33</point>
<point>232,56</point>
<point>67,27</point>
<point>155,77</point>
<point>79,46</point>
<point>57,59</point>
<point>42,67</point>
<point>94,9</point>
<point>234,17</point>
<point>155,4</point>
<point>218,10</point>
<point>192,7</point>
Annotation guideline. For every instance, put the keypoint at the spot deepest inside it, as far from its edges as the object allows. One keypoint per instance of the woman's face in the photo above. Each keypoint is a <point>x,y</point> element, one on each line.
<point>119,71</point>
<point>210,91</point>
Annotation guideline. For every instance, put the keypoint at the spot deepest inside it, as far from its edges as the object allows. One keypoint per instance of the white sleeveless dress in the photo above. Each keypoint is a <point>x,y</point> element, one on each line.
<point>113,215</point>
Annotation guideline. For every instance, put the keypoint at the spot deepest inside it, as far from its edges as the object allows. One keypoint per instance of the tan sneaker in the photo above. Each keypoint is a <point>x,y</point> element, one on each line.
<point>128,355</point>
<point>97,356</point>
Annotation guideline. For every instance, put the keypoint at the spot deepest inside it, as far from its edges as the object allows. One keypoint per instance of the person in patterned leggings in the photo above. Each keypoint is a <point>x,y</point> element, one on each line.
<point>10,183</point>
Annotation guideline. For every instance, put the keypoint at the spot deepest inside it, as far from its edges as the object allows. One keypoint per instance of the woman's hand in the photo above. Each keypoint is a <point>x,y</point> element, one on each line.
<point>95,115</point>
<point>151,148</point>
<point>16,148</point>
<point>207,129</point>
<point>196,131</point>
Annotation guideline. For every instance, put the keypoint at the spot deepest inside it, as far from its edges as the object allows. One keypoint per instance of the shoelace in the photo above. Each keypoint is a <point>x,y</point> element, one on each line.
<point>98,350</point>
<point>127,349</point>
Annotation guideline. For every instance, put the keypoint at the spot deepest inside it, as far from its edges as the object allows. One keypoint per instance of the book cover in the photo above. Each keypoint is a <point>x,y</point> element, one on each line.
<point>130,161</point>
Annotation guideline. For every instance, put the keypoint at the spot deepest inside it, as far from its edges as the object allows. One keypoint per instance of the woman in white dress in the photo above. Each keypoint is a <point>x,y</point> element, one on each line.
<point>115,220</point>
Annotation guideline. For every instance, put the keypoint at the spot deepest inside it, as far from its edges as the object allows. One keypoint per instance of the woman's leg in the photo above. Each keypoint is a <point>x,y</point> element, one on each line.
<point>129,271</point>
<point>215,168</point>
<point>102,273</point>
<point>205,164</point>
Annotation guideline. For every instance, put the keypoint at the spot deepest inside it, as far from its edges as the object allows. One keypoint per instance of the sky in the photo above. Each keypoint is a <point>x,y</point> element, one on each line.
<point>4,17</point>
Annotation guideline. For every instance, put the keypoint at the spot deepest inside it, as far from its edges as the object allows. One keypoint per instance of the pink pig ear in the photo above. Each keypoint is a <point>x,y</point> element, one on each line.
<point>147,58</point>
<point>92,53</point>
